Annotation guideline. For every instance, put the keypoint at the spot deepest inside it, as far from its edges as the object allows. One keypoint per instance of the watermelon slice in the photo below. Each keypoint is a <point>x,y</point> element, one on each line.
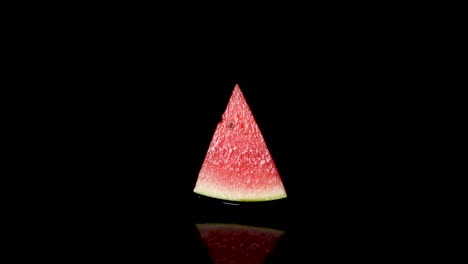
<point>238,165</point>
<point>234,243</point>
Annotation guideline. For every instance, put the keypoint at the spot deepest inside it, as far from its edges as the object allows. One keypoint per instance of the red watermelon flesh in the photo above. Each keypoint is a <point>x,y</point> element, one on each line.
<point>238,165</point>
<point>233,243</point>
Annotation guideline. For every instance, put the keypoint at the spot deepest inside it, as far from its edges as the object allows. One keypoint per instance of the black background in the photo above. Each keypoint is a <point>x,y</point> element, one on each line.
<point>336,99</point>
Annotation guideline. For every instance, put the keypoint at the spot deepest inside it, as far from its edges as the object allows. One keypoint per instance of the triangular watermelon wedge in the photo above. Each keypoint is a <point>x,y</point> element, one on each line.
<point>238,165</point>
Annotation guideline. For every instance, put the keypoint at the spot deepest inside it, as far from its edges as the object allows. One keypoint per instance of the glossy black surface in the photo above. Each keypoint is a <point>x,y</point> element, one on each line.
<point>330,97</point>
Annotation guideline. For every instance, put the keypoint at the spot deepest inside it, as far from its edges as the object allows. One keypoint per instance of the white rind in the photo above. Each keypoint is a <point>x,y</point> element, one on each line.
<point>211,189</point>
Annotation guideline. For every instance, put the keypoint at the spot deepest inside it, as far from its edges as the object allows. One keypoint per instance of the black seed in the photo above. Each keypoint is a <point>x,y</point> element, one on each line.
<point>231,125</point>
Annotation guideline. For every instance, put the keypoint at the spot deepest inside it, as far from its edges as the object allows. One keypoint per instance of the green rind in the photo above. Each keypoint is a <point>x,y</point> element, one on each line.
<point>264,199</point>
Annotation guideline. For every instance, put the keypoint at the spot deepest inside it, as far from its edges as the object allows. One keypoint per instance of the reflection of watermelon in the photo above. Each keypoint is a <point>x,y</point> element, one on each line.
<point>232,243</point>
<point>238,165</point>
